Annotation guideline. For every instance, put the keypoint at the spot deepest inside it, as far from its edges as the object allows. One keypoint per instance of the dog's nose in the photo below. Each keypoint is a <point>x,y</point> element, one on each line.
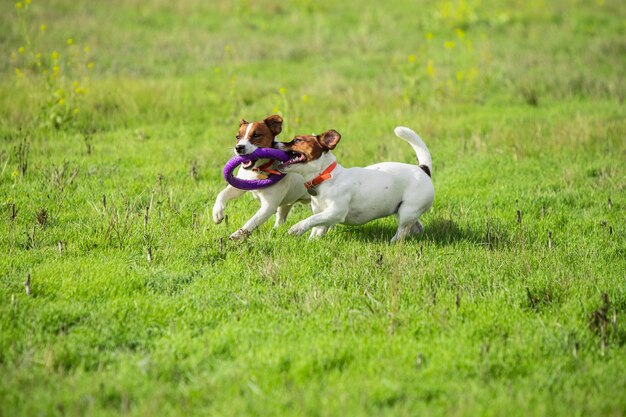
<point>240,149</point>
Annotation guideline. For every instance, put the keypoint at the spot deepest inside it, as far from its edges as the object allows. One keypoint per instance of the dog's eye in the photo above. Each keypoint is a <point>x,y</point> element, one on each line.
<point>237,137</point>
<point>256,135</point>
<point>297,140</point>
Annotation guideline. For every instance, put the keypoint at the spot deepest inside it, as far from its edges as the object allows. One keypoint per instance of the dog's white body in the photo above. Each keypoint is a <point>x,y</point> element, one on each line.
<point>359,195</point>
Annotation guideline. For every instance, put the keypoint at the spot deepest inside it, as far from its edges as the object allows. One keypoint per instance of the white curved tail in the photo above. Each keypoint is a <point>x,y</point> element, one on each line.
<point>421,151</point>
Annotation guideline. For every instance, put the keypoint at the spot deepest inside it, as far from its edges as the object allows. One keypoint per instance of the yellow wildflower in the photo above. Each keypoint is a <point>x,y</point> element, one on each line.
<point>449,44</point>
<point>429,36</point>
<point>305,98</point>
<point>54,55</point>
<point>459,76</point>
<point>86,48</point>
<point>70,41</point>
<point>21,50</point>
<point>282,91</point>
<point>430,69</point>
<point>61,101</point>
<point>19,73</point>
<point>27,1</point>
<point>43,27</point>
<point>76,110</point>
<point>19,5</point>
<point>56,69</point>
<point>90,65</point>
<point>411,58</point>
<point>460,33</point>
<point>14,174</point>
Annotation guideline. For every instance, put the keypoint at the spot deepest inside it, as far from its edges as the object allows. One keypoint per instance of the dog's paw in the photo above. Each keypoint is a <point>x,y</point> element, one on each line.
<point>296,230</point>
<point>218,213</point>
<point>240,234</point>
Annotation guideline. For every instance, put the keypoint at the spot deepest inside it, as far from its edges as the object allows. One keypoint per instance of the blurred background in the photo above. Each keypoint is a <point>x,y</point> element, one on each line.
<point>193,61</point>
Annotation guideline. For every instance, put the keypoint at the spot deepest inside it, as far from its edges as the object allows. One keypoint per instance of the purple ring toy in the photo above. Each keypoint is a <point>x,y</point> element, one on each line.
<point>260,153</point>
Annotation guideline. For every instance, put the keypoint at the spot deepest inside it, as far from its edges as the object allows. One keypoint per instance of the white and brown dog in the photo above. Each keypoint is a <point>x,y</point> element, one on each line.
<point>277,198</point>
<point>359,195</point>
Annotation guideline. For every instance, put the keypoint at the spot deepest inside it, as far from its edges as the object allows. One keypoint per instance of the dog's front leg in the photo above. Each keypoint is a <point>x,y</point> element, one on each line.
<point>324,219</point>
<point>227,194</point>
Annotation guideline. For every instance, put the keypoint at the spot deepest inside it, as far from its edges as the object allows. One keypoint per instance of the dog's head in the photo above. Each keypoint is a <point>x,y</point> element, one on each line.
<point>252,136</point>
<point>305,151</point>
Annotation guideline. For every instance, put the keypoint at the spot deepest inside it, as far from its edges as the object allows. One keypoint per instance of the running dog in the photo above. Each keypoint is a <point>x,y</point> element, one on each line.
<point>358,195</point>
<point>277,198</point>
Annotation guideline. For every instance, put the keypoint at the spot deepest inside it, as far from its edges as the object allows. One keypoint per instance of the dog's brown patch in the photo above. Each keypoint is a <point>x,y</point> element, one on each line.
<point>312,146</point>
<point>262,134</point>
<point>274,123</point>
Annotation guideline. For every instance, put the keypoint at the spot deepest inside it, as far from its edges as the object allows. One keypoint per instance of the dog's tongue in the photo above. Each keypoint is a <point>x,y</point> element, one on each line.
<point>247,164</point>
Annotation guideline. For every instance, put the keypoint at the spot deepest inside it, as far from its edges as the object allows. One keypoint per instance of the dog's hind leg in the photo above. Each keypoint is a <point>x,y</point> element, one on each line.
<point>417,228</point>
<point>318,231</point>
<point>281,215</point>
<point>408,222</point>
<point>401,234</point>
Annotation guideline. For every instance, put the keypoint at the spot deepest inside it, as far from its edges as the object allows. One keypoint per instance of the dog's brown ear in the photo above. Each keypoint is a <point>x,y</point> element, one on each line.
<point>275,123</point>
<point>329,139</point>
<point>242,122</point>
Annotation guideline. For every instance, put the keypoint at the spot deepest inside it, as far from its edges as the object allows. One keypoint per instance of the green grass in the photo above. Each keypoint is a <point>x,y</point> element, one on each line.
<point>481,315</point>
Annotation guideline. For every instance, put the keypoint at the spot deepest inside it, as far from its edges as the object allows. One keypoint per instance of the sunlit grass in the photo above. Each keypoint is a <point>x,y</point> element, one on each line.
<point>511,303</point>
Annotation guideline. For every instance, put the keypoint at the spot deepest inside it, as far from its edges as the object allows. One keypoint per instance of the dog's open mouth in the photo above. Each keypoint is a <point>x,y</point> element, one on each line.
<point>294,158</point>
<point>248,164</point>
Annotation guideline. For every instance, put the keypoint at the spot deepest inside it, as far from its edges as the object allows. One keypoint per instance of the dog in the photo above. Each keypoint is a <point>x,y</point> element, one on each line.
<point>277,198</point>
<point>358,195</point>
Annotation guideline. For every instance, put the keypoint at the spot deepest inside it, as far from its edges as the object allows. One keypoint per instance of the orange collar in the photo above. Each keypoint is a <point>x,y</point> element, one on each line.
<point>265,168</point>
<point>326,174</point>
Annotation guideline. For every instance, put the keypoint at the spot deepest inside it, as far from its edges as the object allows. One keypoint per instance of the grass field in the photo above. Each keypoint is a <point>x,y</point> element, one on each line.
<point>116,118</point>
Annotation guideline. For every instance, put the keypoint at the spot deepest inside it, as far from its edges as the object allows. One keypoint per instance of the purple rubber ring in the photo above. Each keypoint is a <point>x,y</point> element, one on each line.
<point>261,153</point>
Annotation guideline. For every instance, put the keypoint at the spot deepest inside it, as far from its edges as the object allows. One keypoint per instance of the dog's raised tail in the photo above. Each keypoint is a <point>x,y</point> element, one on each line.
<point>421,151</point>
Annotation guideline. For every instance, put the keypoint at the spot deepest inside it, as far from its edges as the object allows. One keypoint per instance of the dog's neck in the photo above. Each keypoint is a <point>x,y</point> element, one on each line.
<point>312,169</point>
